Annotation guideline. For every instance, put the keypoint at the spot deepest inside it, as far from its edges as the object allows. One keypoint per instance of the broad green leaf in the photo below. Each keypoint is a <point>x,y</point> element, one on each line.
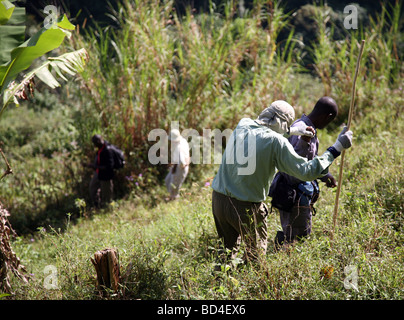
<point>12,34</point>
<point>70,63</point>
<point>22,57</point>
<point>6,11</point>
<point>47,39</point>
<point>64,23</point>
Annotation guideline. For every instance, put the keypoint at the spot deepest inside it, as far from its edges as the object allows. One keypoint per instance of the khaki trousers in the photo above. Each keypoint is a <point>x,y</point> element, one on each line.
<point>101,191</point>
<point>238,221</point>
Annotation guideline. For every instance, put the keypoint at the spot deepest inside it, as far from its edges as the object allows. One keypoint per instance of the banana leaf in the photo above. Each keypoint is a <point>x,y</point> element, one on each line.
<point>6,11</point>
<point>44,41</point>
<point>12,29</point>
<point>69,63</point>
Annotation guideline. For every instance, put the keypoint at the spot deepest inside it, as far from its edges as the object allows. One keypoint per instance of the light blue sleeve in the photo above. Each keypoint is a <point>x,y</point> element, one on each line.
<point>288,161</point>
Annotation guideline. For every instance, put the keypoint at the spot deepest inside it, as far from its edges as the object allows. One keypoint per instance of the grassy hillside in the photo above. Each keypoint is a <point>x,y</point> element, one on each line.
<point>169,251</point>
<point>206,71</point>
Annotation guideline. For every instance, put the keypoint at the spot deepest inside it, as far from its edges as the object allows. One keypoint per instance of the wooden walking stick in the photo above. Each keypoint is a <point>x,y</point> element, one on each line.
<point>341,167</point>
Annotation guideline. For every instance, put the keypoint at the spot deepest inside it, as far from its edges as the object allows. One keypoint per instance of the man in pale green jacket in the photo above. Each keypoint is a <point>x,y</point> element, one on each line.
<point>254,151</point>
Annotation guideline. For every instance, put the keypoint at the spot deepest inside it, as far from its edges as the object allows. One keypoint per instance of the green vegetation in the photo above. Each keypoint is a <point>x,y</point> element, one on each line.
<point>18,58</point>
<point>206,71</point>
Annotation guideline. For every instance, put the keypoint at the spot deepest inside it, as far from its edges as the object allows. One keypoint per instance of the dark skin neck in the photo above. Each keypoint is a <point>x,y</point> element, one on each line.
<point>313,119</point>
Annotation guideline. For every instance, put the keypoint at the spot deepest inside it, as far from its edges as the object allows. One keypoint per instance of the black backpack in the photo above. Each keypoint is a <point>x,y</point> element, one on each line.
<point>119,158</point>
<point>283,195</point>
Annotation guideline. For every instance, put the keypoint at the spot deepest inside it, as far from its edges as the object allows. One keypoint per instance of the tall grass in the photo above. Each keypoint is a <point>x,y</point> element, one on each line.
<point>201,70</point>
<point>210,69</point>
<point>381,66</point>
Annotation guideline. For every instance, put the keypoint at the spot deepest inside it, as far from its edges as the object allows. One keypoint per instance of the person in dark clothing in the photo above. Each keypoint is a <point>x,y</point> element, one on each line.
<point>101,185</point>
<point>297,222</point>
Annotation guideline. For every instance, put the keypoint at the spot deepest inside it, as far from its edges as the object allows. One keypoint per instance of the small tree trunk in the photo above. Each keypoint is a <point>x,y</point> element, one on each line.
<point>9,262</point>
<point>106,265</point>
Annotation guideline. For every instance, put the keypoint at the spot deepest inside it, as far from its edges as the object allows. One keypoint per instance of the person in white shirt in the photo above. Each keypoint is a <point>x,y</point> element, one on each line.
<point>179,167</point>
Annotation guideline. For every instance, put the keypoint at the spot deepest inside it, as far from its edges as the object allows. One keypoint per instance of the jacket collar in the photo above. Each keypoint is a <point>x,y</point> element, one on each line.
<point>307,121</point>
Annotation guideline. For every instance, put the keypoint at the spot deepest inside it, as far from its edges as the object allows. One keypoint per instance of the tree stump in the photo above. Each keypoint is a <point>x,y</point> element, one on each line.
<point>106,265</point>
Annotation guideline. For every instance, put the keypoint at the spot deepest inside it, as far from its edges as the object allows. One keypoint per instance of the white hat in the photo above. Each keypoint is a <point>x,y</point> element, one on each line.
<point>278,116</point>
<point>175,135</point>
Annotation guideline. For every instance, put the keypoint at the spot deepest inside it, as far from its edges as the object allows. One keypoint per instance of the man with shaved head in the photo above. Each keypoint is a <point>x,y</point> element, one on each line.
<point>296,221</point>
